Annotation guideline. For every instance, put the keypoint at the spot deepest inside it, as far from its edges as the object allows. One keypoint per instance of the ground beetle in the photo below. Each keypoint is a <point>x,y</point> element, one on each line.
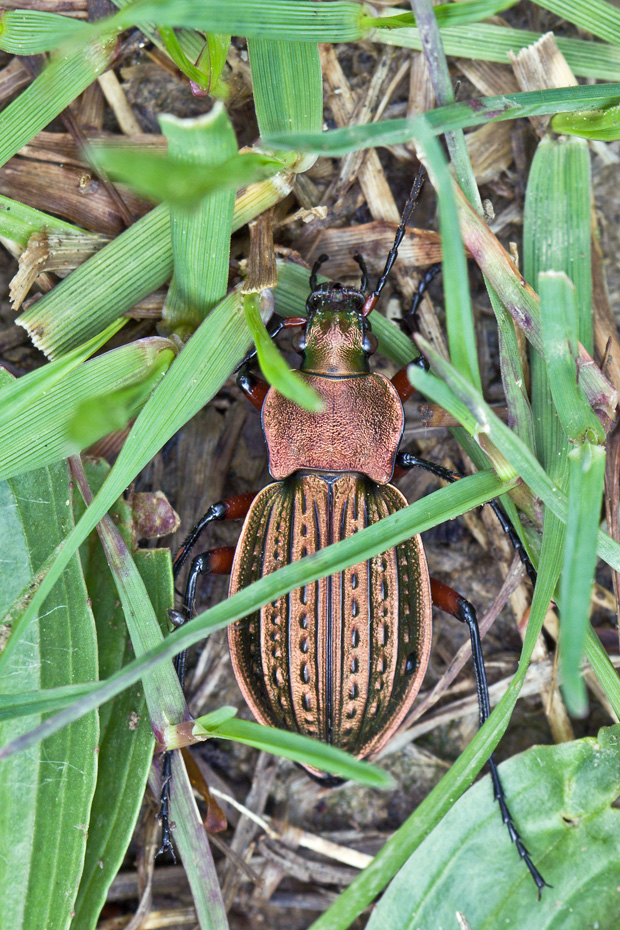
<point>341,659</point>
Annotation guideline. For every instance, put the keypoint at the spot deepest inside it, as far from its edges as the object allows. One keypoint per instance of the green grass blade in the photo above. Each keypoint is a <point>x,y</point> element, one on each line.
<point>603,669</point>
<point>47,425</point>
<point>487,428</point>
<point>162,689</point>
<point>130,267</point>
<point>62,81</point>
<point>46,793</point>
<point>302,21</point>
<point>126,742</point>
<point>560,325</point>
<point>178,180</point>
<point>287,83</point>
<point>598,17</point>
<point>585,493</point>
<point>18,222</point>
<point>30,388</point>
<point>31,32</point>
<point>298,748</point>
<point>486,42</point>
<point>201,239</point>
<point>277,372</point>
<point>447,14</point>
<point>602,125</point>
<point>443,505</point>
<point>456,116</point>
<point>98,292</point>
<point>459,318</point>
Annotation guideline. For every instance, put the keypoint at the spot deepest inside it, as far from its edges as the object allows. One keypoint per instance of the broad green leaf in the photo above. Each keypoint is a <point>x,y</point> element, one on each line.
<point>562,799</point>
<point>45,795</point>
<point>162,177</point>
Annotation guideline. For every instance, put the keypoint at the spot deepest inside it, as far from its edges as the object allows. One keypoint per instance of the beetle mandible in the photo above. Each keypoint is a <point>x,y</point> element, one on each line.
<point>343,658</point>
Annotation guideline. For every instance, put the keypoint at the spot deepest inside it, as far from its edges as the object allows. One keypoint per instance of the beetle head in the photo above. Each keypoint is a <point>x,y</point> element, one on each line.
<point>337,339</point>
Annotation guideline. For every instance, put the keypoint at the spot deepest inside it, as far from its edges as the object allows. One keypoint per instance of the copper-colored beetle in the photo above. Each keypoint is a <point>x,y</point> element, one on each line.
<point>343,658</point>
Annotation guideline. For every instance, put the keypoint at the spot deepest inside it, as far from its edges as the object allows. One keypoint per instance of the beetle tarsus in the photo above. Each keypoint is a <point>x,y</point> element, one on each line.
<point>423,285</point>
<point>164,810</point>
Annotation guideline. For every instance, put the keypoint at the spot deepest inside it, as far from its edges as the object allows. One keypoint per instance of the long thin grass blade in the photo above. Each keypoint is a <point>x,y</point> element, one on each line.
<point>289,383</point>
<point>62,81</point>
<point>457,115</point>
<point>586,466</point>
<point>407,838</point>
<point>486,42</point>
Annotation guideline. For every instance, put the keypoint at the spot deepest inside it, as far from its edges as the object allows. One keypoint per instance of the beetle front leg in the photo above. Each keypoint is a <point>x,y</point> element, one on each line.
<point>453,603</point>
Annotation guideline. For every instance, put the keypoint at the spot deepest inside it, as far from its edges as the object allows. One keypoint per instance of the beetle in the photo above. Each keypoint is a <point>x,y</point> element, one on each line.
<point>343,658</point>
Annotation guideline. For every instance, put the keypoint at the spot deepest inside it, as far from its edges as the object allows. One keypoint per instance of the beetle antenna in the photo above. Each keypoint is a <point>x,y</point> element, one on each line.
<point>315,270</point>
<point>371,301</point>
<point>359,258</point>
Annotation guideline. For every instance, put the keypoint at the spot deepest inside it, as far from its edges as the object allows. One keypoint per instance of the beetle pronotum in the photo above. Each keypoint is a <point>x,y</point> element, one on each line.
<point>341,659</point>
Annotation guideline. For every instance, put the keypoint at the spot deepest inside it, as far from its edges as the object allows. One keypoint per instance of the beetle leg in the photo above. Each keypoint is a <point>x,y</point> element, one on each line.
<point>402,383</point>
<point>407,460</point>
<point>233,508</point>
<point>454,604</point>
<point>254,388</point>
<point>213,562</point>
<point>423,285</point>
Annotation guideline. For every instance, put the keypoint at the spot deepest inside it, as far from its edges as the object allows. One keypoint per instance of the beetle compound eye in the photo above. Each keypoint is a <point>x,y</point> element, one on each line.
<point>370,343</point>
<point>299,342</point>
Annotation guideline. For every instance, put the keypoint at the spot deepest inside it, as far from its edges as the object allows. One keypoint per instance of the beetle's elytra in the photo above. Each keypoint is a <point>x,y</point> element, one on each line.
<point>341,659</point>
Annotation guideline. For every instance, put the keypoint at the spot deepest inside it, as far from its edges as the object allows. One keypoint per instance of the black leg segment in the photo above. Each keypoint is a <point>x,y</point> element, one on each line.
<point>451,601</point>
<point>407,460</point>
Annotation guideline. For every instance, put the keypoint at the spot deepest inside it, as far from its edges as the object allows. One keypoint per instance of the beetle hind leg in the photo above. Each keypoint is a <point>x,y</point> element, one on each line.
<point>453,603</point>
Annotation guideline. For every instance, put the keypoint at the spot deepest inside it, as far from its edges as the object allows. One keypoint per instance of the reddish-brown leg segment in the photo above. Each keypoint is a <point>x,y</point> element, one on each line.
<point>254,388</point>
<point>453,603</point>
<point>233,508</point>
